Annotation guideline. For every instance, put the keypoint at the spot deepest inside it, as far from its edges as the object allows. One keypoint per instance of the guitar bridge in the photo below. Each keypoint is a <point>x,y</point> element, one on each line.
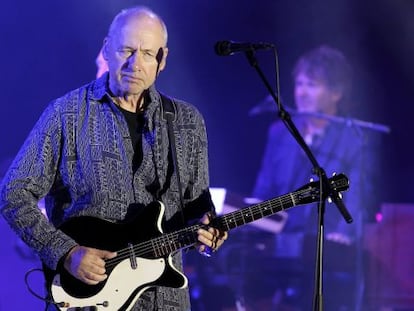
<point>132,257</point>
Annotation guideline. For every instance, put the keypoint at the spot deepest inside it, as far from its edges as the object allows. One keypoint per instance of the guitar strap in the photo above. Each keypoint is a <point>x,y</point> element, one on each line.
<point>169,114</point>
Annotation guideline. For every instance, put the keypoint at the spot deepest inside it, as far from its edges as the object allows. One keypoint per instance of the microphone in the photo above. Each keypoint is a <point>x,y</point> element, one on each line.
<point>225,48</point>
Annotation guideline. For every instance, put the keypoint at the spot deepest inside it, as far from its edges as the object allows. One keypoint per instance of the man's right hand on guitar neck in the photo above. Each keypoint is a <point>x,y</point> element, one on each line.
<point>87,264</point>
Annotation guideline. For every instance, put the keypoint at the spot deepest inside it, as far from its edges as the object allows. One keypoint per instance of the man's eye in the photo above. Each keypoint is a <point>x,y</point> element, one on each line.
<point>125,53</point>
<point>148,55</point>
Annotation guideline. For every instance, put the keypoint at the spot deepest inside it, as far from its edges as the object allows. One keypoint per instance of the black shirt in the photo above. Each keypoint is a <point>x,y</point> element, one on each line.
<point>135,121</point>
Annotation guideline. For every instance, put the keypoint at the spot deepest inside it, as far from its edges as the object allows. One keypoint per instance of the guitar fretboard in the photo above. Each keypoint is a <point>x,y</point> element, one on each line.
<point>255,212</point>
<point>172,242</point>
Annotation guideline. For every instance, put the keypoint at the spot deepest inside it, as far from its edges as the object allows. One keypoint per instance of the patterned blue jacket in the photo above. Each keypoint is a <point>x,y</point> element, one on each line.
<point>79,157</point>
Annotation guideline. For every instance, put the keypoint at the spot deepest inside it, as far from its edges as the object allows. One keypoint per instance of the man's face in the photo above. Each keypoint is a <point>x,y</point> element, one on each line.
<point>131,53</point>
<point>314,95</point>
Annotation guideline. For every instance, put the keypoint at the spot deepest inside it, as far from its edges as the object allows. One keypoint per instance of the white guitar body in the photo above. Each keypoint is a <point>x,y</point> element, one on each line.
<point>121,283</point>
<point>128,279</point>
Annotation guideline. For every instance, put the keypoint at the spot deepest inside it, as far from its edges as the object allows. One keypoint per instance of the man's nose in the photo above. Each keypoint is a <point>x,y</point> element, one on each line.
<point>135,61</point>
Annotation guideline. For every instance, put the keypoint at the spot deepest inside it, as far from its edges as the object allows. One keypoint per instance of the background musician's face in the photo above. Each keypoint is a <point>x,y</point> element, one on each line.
<point>313,94</point>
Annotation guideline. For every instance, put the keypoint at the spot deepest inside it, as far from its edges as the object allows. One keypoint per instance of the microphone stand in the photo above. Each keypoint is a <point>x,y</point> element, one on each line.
<point>325,188</point>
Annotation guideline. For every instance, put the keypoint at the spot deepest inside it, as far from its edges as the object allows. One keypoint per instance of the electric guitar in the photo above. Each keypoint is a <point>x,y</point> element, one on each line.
<point>145,261</point>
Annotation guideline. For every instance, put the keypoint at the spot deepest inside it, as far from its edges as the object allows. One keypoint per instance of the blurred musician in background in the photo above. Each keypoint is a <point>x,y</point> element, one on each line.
<point>322,83</point>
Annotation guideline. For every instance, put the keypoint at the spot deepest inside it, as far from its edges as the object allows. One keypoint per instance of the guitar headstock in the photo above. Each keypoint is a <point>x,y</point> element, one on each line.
<point>311,192</point>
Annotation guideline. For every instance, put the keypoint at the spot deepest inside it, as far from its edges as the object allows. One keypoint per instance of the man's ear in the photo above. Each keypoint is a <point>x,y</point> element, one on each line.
<point>162,59</point>
<point>105,49</point>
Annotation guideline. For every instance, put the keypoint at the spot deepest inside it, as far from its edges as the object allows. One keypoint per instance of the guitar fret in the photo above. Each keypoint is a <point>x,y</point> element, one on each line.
<point>248,215</point>
<point>261,212</point>
<point>162,247</point>
<point>179,243</point>
<point>234,220</point>
<point>159,247</point>
<point>282,206</point>
<point>231,222</point>
<point>242,219</point>
<point>175,244</point>
<point>285,203</point>
<point>255,214</point>
<point>167,244</point>
<point>155,247</point>
<point>280,203</point>
<point>267,210</point>
<point>292,198</point>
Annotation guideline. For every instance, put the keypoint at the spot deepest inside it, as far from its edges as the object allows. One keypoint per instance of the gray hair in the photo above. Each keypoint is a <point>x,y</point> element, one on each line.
<point>137,11</point>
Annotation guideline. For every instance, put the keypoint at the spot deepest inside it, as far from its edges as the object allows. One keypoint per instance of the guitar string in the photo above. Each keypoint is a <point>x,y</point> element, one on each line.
<point>190,232</point>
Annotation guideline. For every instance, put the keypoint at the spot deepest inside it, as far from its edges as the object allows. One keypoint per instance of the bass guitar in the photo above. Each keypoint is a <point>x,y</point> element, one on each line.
<point>145,260</point>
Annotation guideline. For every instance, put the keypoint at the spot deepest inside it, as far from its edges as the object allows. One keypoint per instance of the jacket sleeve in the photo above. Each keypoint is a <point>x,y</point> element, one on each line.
<point>29,179</point>
<point>196,193</point>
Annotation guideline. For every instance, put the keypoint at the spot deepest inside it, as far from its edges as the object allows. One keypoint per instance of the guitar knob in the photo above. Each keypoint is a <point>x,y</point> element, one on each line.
<point>104,304</point>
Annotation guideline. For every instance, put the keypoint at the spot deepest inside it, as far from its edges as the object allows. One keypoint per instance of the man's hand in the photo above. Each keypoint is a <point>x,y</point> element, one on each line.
<point>212,238</point>
<point>87,264</point>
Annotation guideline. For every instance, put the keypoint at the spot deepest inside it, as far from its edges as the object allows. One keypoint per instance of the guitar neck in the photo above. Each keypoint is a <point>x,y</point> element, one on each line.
<point>254,212</point>
<point>186,237</point>
<point>166,244</point>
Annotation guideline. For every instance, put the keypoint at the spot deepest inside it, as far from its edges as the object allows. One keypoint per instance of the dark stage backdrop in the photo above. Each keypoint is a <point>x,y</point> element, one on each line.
<point>49,47</point>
